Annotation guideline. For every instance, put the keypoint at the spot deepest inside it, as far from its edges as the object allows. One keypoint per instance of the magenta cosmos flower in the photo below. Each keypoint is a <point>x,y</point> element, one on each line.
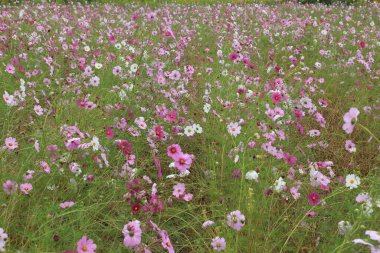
<point>10,143</point>
<point>236,220</point>
<point>26,188</point>
<point>350,118</point>
<point>132,234</point>
<point>174,150</point>
<point>218,243</point>
<point>313,198</point>
<point>86,246</point>
<point>182,162</point>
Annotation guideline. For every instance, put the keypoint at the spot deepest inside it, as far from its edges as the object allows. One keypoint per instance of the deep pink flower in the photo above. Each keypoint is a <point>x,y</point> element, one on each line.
<point>313,198</point>
<point>276,97</point>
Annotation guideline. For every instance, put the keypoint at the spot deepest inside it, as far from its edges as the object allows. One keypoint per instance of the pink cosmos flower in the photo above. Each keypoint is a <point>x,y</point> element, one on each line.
<point>38,110</point>
<point>10,143</point>
<point>166,243</point>
<point>350,118</point>
<point>72,144</point>
<point>132,234</point>
<point>45,166</point>
<point>174,150</point>
<point>86,246</point>
<point>10,187</point>
<point>10,69</point>
<point>218,243</point>
<point>188,197</point>
<point>234,129</point>
<point>313,198</point>
<point>179,190</point>
<point>66,204</point>
<point>374,235</point>
<point>236,220</point>
<point>350,146</point>
<point>26,188</point>
<point>182,162</point>
<point>276,97</point>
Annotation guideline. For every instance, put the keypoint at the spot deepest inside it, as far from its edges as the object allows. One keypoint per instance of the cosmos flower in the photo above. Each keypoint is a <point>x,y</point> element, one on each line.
<point>350,119</point>
<point>352,181</point>
<point>313,198</point>
<point>10,143</point>
<point>26,188</point>
<point>236,220</point>
<point>85,245</point>
<point>132,234</point>
<point>218,243</point>
<point>182,162</point>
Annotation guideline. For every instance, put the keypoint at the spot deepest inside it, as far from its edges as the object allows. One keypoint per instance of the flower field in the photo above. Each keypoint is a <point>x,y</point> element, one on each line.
<point>189,127</point>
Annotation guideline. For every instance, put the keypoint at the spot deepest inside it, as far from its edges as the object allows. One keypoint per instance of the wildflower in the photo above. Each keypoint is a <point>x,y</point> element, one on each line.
<point>10,143</point>
<point>10,69</point>
<point>279,185</point>
<point>26,188</point>
<point>189,131</point>
<point>10,187</point>
<point>350,118</point>
<point>352,181</point>
<point>86,246</point>
<point>197,128</point>
<point>132,234</point>
<point>252,175</point>
<point>350,146</point>
<point>344,227</point>
<point>313,198</point>
<point>236,220</point>
<point>363,198</point>
<point>66,204</point>
<point>276,97</point>
<point>3,239</point>
<point>218,243</point>
<point>179,190</point>
<point>234,129</point>
<point>38,110</point>
<point>207,224</point>
<point>72,143</point>
<point>374,235</point>
<point>174,150</point>
<point>182,162</point>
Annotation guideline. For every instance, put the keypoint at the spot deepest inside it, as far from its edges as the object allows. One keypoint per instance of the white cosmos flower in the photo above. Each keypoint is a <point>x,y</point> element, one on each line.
<point>98,65</point>
<point>134,67</point>
<point>95,143</point>
<point>189,131</point>
<point>197,128</point>
<point>206,108</point>
<point>352,181</point>
<point>252,175</point>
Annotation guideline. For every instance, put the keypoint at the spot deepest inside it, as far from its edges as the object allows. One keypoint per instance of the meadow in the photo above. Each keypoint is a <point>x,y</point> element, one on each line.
<point>195,127</point>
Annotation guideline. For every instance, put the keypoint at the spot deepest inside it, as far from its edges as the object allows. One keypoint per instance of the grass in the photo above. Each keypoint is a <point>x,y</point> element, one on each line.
<point>274,222</point>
